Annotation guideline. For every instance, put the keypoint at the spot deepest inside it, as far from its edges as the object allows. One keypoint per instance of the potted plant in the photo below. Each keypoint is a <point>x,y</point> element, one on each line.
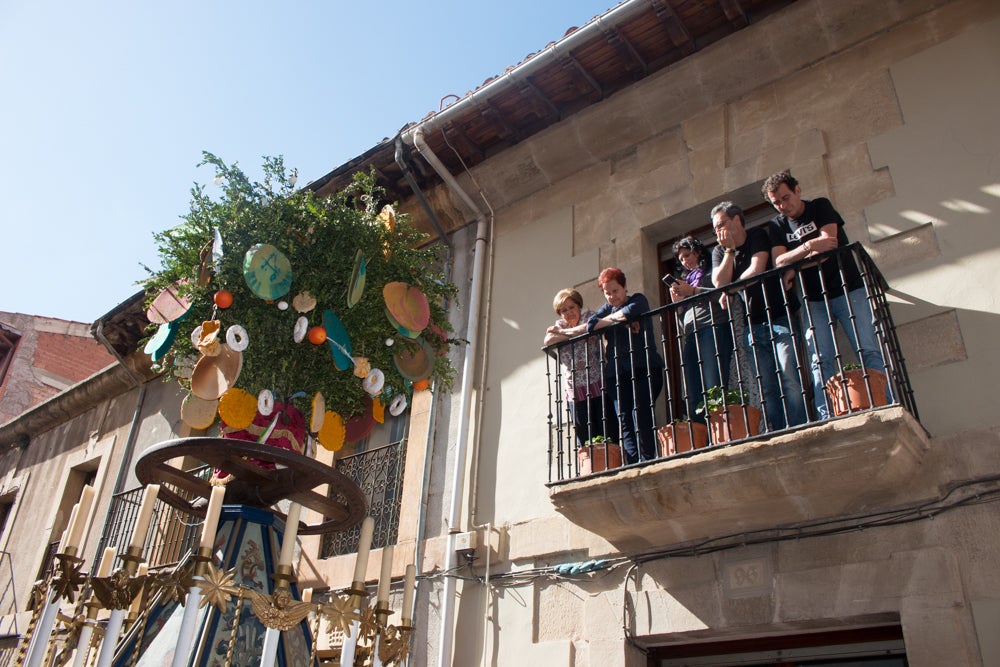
<point>730,416</point>
<point>597,454</point>
<point>681,435</point>
<point>848,393</point>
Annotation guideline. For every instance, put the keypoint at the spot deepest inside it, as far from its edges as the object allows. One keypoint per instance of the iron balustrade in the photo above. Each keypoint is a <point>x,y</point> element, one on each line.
<point>768,359</point>
<point>172,532</point>
<point>379,473</point>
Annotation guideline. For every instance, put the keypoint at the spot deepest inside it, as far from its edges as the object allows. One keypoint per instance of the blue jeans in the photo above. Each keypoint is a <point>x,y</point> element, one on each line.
<point>781,391</point>
<point>701,346</point>
<point>820,342</point>
<point>633,401</point>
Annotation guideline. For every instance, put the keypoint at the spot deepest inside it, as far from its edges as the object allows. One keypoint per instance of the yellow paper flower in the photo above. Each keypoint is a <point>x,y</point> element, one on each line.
<point>237,408</point>
<point>378,410</point>
<point>333,432</point>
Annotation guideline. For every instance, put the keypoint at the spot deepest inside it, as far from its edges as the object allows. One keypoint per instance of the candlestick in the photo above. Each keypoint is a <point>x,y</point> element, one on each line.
<point>75,536</point>
<point>145,515</point>
<point>409,583</point>
<point>364,547</point>
<point>107,561</point>
<point>212,517</point>
<point>291,530</point>
<point>385,579</point>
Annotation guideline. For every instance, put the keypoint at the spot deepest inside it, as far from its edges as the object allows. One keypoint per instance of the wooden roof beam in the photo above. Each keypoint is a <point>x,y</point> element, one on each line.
<point>578,72</point>
<point>733,10</point>
<point>679,35</point>
<point>626,51</point>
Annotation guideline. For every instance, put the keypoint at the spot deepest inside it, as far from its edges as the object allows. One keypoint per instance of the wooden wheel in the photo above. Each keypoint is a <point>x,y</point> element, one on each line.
<point>295,477</point>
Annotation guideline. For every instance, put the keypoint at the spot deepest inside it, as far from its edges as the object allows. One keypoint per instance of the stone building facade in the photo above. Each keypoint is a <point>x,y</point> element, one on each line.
<point>873,532</point>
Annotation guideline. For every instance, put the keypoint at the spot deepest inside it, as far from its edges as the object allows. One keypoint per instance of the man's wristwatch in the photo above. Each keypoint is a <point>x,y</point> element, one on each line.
<point>728,251</point>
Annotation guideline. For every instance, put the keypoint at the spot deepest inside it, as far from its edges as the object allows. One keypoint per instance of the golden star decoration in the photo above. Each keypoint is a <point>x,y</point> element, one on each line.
<point>68,578</point>
<point>340,613</point>
<point>217,587</point>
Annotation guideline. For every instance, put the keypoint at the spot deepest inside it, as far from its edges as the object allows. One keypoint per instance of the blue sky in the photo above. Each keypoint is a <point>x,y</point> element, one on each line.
<point>107,107</point>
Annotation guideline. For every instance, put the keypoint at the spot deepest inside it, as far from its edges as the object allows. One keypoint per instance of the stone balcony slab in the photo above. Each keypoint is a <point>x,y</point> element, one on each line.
<point>835,469</point>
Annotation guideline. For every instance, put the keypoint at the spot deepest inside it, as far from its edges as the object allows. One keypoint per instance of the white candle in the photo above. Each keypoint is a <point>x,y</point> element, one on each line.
<point>408,584</point>
<point>385,579</point>
<point>307,595</point>
<point>291,530</point>
<point>212,517</point>
<point>65,534</point>
<point>75,536</point>
<point>133,609</point>
<point>107,561</point>
<point>145,515</point>
<point>364,546</point>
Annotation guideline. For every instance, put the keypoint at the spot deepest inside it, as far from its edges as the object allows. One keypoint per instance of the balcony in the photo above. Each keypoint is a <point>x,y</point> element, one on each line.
<point>804,460</point>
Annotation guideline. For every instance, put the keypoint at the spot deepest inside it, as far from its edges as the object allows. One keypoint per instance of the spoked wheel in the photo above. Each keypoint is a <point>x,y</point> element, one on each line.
<point>294,477</point>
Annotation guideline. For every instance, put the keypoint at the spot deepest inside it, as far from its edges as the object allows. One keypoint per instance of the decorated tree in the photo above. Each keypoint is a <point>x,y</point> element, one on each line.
<point>273,303</point>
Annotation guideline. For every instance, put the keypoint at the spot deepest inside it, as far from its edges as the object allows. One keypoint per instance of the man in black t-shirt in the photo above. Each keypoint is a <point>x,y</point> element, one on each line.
<point>770,309</point>
<point>802,229</point>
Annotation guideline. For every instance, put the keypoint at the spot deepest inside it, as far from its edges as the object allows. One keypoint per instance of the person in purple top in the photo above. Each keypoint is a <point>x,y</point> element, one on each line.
<point>708,338</point>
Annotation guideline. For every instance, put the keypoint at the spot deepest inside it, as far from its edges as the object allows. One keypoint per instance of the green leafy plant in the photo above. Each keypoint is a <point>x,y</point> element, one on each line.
<point>321,237</point>
<point>599,440</point>
<point>716,398</point>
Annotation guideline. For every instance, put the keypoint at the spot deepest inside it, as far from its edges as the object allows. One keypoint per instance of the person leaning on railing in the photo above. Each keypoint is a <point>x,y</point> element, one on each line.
<point>708,338</point>
<point>743,253</point>
<point>633,368</point>
<point>805,228</point>
<point>581,364</point>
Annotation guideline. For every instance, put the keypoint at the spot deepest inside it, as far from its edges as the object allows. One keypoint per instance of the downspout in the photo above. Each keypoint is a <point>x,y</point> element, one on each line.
<point>446,648</point>
<point>425,483</point>
<point>133,430</point>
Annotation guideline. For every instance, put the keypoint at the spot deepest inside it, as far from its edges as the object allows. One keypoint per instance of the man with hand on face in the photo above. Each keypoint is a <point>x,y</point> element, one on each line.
<point>743,253</point>
<point>805,228</point>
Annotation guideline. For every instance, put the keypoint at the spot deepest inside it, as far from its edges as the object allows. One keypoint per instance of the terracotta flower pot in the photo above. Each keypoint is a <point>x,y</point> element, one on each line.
<point>677,437</point>
<point>856,396</point>
<point>735,426</point>
<point>591,458</point>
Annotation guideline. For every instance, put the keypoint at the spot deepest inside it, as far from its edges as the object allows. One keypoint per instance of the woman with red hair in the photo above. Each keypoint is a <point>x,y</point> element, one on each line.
<point>633,367</point>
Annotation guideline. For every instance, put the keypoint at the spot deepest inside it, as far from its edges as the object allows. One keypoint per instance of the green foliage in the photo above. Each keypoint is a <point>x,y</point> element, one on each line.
<point>718,398</point>
<point>599,440</point>
<point>320,237</point>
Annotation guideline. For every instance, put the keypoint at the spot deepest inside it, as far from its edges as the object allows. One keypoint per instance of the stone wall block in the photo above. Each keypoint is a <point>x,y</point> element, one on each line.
<point>707,170</point>
<point>752,111</point>
<point>932,341</point>
<point>707,129</point>
<point>560,151</point>
<point>617,122</point>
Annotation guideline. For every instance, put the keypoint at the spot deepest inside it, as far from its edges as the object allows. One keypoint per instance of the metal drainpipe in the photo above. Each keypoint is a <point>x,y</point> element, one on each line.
<point>446,648</point>
<point>425,483</point>
<point>133,430</point>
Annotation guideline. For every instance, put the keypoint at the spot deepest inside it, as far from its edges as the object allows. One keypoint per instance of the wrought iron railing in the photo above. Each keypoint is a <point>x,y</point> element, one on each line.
<point>379,473</point>
<point>172,532</point>
<point>662,370</point>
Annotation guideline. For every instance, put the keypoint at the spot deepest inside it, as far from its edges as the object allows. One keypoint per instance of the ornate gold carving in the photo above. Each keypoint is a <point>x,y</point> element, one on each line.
<point>278,611</point>
<point>118,590</point>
